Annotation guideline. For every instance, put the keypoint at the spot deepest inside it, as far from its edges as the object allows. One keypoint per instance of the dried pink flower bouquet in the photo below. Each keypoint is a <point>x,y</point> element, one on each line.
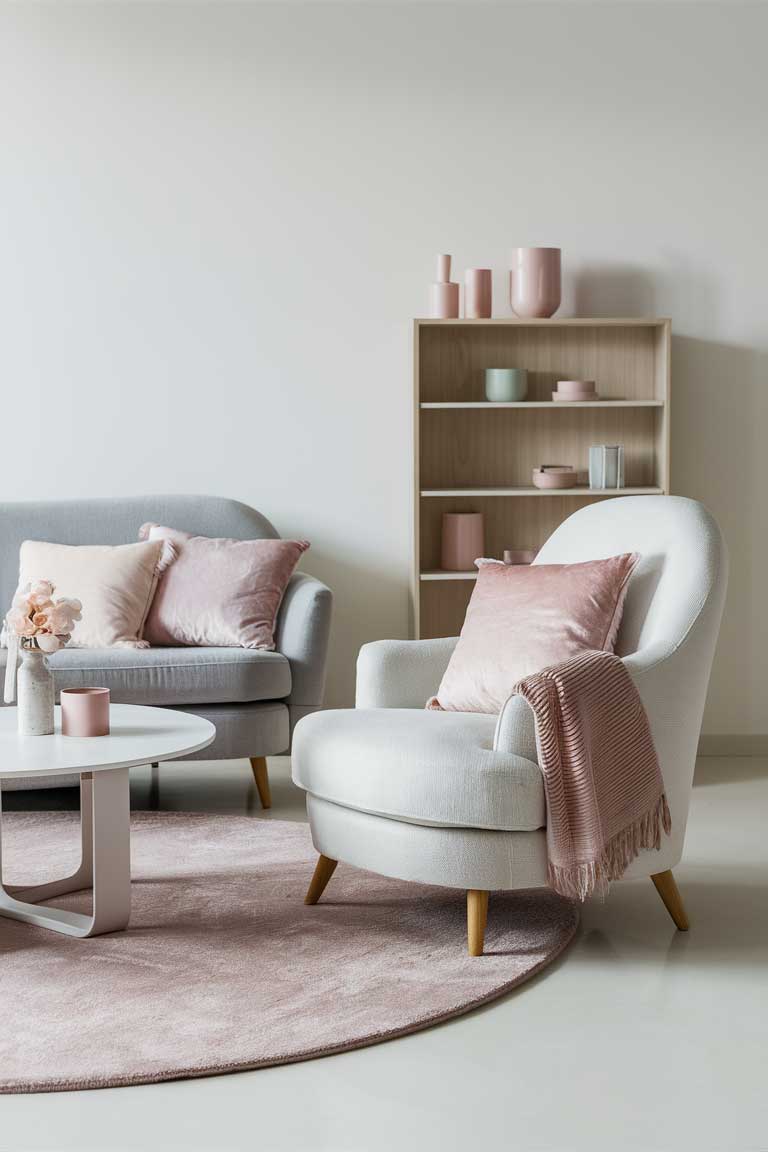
<point>38,620</point>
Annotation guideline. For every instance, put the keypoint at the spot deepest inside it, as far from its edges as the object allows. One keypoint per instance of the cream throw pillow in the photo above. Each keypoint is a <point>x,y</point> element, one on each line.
<point>114,584</point>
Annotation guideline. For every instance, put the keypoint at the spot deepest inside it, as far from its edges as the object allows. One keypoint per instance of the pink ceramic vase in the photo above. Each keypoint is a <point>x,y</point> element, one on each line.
<point>444,293</point>
<point>534,282</point>
<point>463,540</point>
<point>478,289</point>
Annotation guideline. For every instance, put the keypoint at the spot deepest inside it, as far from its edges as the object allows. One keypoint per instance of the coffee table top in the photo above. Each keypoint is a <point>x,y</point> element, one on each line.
<point>138,735</point>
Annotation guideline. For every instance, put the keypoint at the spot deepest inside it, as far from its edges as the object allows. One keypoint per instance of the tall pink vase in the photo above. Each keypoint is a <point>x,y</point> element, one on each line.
<point>444,293</point>
<point>534,282</point>
<point>463,541</point>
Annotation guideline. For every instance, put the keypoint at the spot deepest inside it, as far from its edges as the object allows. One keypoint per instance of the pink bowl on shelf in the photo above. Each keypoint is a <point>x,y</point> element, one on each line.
<point>575,391</point>
<point>554,476</point>
<point>575,387</point>
<point>520,555</point>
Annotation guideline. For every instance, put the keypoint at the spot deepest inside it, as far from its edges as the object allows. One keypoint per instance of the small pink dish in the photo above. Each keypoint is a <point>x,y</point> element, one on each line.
<point>577,398</point>
<point>554,476</point>
<point>85,711</point>
<point>575,387</point>
<point>575,391</point>
<point>520,555</point>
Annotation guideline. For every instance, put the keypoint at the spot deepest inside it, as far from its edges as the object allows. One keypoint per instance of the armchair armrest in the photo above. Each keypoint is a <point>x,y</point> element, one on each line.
<point>303,627</point>
<point>516,728</point>
<point>401,673</point>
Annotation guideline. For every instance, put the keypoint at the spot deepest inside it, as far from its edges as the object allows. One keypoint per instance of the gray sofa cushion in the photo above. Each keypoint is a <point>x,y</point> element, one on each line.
<point>175,675</point>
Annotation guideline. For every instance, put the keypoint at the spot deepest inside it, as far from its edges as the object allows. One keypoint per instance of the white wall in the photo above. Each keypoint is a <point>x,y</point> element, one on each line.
<point>216,222</point>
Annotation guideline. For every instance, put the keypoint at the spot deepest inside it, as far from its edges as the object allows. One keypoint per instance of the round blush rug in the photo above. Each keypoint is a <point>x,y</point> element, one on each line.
<point>224,968</point>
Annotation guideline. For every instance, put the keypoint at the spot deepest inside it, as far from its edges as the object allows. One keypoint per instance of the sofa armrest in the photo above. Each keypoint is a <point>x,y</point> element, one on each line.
<point>303,627</point>
<point>401,673</point>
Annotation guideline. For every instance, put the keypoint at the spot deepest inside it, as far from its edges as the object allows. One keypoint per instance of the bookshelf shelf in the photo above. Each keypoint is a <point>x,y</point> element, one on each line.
<point>441,574</point>
<point>579,490</point>
<point>459,404</point>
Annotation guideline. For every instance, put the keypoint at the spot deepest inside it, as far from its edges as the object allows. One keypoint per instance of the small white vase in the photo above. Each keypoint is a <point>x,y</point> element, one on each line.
<point>35,694</point>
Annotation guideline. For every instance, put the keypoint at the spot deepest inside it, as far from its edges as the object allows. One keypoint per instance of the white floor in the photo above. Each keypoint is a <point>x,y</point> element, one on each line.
<point>641,1038</point>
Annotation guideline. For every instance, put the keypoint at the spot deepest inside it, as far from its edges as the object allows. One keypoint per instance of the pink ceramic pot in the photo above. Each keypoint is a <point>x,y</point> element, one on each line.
<point>573,388</point>
<point>519,555</point>
<point>534,282</point>
<point>554,476</point>
<point>463,540</point>
<point>478,293</point>
<point>85,711</point>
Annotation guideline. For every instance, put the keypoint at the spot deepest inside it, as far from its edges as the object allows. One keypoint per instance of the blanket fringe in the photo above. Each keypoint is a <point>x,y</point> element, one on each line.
<point>578,881</point>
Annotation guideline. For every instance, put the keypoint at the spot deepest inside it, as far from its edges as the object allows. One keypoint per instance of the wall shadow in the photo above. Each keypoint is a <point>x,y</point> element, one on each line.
<point>366,600</point>
<point>719,427</point>
<point>610,290</point>
<point>719,422</point>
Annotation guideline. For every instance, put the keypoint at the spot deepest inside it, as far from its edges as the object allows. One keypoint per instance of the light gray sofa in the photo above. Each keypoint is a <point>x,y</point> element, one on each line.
<point>254,698</point>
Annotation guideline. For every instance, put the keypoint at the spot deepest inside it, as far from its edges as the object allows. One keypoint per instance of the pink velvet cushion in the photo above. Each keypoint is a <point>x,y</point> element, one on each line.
<point>522,619</point>
<point>223,593</point>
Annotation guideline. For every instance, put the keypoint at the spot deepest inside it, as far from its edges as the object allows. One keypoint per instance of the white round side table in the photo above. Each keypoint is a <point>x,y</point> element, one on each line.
<point>138,735</point>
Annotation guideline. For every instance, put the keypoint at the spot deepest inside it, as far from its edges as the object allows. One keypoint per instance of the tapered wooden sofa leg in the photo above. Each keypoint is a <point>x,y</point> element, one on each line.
<point>324,869</point>
<point>261,776</point>
<point>477,914</point>
<point>673,902</point>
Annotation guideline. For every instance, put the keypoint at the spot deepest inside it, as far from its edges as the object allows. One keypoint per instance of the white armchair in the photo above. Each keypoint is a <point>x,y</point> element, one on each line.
<point>457,799</point>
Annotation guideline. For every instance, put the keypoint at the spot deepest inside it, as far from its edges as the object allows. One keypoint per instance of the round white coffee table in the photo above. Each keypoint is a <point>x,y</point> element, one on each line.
<point>137,736</point>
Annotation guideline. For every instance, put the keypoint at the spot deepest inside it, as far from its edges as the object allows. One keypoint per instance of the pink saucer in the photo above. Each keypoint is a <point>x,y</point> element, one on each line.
<point>572,387</point>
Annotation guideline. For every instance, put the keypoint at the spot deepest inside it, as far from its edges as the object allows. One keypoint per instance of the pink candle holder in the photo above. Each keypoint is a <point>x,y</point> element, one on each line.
<point>85,711</point>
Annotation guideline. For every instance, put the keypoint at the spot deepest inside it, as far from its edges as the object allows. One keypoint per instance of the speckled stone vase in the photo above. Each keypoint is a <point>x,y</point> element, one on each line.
<point>35,694</point>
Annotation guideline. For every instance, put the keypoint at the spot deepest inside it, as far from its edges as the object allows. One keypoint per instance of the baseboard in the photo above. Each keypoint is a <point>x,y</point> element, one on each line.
<point>755,744</point>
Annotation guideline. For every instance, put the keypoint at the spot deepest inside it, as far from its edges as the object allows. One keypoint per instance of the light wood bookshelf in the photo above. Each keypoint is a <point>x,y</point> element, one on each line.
<point>474,456</point>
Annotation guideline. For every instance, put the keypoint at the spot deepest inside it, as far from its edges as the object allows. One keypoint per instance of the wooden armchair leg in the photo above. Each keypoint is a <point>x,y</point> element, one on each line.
<point>673,901</point>
<point>324,869</point>
<point>261,776</point>
<point>477,914</point>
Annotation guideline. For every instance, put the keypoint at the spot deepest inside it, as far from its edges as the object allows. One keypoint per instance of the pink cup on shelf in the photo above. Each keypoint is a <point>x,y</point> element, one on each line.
<point>85,711</point>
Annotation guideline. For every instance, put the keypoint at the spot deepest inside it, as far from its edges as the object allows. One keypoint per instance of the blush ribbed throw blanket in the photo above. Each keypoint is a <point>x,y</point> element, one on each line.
<point>602,781</point>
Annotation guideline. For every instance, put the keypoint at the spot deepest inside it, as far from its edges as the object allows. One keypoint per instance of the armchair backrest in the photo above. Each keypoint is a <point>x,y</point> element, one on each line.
<point>682,569</point>
<point>669,628</point>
